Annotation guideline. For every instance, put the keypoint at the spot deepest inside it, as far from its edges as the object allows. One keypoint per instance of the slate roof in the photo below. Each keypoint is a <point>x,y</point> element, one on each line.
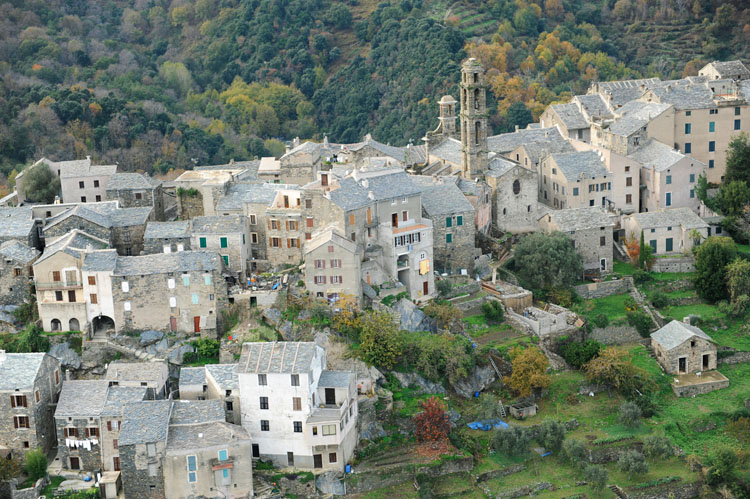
<point>506,142</point>
<point>499,166</point>
<point>349,195</point>
<point>182,261</point>
<point>570,116</point>
<point>306,147</point>
<point>137,371</point>
<point>673,217</point>
<point>251,166</point>
<point>397,153</point>
<point>442,199</point>
<point>72,243</point>
<point>468,187</point>
<point>239,194</point>
<point>594,105</point>
<point>80,168</point>
<point>688,93</point>
<point>537,151</point>
<point>82,398</point>
<point>192,376</point>
<point>167,230</point>
<point>572,219</point>
<point>145,422</point>
<point>277,357</point>
<point>323,236</point>
<point>16,223</point>
<point>388,185</point>
<point>126,217</point>
<point>197,411</point>
<point>19,370</point>
<point>125,181</point>
<point>675,333</point>
<point>584,163</point>
<point>105,215</point>
<point>449,150</point>
<point>657,155</point>
<point>728,69</point>
<point>623,91</point>
<point>229,224</point>
<point>100,261</point>
<point>335,379</point>
<point>225,375</point>
<point>204,435</point>
<point>18,252</point>
<point>119,396</point>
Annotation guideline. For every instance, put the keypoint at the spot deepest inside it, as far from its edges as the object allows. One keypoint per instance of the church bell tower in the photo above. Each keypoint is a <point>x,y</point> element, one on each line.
<point>473,120</point>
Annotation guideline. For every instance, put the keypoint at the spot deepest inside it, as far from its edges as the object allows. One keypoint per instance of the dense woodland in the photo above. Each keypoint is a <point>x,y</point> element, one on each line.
<point>156,85</point>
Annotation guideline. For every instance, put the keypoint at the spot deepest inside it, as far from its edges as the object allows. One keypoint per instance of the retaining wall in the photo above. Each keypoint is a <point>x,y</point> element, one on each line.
<point>676,264</point>
<point>690,390</point>
<point>602,289</point>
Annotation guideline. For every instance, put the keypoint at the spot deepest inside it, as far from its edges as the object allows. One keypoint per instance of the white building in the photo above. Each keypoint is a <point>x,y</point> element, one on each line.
<point>298,414</point>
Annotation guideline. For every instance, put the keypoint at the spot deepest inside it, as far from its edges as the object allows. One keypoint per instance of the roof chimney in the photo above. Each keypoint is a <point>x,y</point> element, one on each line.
<point>2,356</point>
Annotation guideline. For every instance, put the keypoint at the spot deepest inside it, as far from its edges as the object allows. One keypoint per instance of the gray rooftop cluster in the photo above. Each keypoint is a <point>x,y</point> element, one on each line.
<point>227,224</point>
<point>167,230</point>
<point>18,252</point>
<point>573,219</point>
<point>19,370</point>
<point>131,181</point>
<point>570,116</point>
<point>16,223</point>
<point>660,157</point>
<point>291,357</point>
<point>444,199</point>
<point>583,164</point>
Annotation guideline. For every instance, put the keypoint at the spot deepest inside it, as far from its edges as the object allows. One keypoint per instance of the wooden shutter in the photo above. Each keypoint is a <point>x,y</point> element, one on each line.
<point>15,422</point>
<point>288,243</point>
<point>109,425</point>
<point>286,224</point>
<point>12,400</point>
<point>269,223</point>
<point>23,399</point>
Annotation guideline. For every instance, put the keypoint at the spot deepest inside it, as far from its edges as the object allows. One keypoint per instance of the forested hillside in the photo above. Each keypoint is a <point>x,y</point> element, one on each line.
<point>157,85</point>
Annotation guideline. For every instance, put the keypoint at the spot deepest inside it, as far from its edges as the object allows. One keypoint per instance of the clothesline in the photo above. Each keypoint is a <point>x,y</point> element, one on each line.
<point>86,444</point>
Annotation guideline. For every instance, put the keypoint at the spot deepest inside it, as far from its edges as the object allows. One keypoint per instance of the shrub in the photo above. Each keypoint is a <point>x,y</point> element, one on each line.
<point>601,320</point>
<point>578,353</point>
<point>206,347</point>
<point>444,287</point>
<point>551,435</point>
<point>722,461</point>
<point>443,312</point>
<point>36,464</point>
<point>380,339</point>
<point>641,321</point>
<point>468,442</point>
<point>632,462</point>
<point>629,415</point>
<point>515,440</point>
<point>493,311</point>
<point>300,283</point>
<point>656,446</point>
<point>437,356</point>
<point>432,424</point>
<point>641,276</point>
<point>189,357</point>
<point>575,450</point>
<point>647,405</point>
<point>659,299</point>
<point>597,476</point>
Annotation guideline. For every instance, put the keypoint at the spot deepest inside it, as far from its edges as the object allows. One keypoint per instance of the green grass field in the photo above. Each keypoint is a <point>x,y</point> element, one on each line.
<point>612,306</point>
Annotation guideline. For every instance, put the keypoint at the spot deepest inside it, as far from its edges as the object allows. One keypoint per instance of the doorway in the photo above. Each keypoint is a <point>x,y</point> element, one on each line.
<point>256,450</point>
<point>330,396</point>
<point>75,463</point>
<point>197,324</point>
<point>253,301</point>
<point>425,288</point>
<point>394,220</point>
<point>706,358</point>
<point>317,461</point>
<point>173,324</point>
<point>116,463</point>
<point>290,458</point>
<point>74,325</point>
<point>682,365</point>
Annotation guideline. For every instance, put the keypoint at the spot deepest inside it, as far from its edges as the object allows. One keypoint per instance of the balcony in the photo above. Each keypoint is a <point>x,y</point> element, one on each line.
<point>402,263</point>
<point>373,222</point>
<point>58,285</point>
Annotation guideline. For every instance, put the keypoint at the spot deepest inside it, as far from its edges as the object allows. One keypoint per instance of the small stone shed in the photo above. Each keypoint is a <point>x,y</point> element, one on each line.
<point>524,409</point>
<point>683,349</point>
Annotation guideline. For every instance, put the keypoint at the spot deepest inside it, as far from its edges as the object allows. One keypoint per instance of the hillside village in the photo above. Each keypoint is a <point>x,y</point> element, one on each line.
<point>473,316</point>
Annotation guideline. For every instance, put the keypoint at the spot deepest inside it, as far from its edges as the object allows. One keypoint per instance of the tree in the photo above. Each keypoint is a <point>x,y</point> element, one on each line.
<point>614,369</point>
<point>723,462</point>
<point>515,440</point>
<point>575,450</point>
<point>632,463</point>
<point>732,198</point>
<point>633,248</point>
<point>578,353</point>
<point>551,434</point>
<point>489,407</point>
<point>738,159</point>
<point>518,115</point>
<point>645,255</point>
<point>547,260</point>
<point>380,339</point>
<point>41,184</point>
<point>207,348</point>
<point>444,287</point>
<point>443,312</point>
<point>641,321</point>
<point>432,424</point>
<point>36,464</point>
<point>339,15</point>
<point>738,278</point>
<point>597,476</point>
<point>493,311</point>
<point>656,446</point>
<point>711,260</point>
<point>629,415</point>
<point>9,468</point>
<point>31,340</point>
<point>529,370</point>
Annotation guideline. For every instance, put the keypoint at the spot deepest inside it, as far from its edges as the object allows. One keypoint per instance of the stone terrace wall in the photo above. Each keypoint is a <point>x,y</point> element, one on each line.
<point>602,289</point>
<point>690,390</point>
<point>676,264</point>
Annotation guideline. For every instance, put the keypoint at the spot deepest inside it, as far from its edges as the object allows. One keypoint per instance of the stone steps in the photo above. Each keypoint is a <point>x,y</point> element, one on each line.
<point>616,490</point>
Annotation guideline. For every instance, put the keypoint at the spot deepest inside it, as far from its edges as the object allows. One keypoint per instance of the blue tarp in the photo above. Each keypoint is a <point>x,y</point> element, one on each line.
<point>488,424</point>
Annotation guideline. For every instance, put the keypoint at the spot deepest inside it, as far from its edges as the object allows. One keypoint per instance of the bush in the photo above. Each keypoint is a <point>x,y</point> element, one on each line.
<point>493,311</point>
<point>632,462</point>
<point>206,348</point>
<point>642,276</point>
<point>575,450</point>
<point>659,299</point>
<point>551,435</point>
<point>629,415</point>
<point>641,321</point>
<point>36,464</point>
<point>601,320</point>
<point>515,440</point>
<point>444,287</point>
<point>380,339</point>
<point>656,446</point>
<point>597,476</point>
<point>432,424</point>
<point>437,356</point>
<point>647,405</point>
<point>443,312</point>
<point>722,461</point>
<point>189,357</point>
<point>468,442</point>
<point>578,353</point>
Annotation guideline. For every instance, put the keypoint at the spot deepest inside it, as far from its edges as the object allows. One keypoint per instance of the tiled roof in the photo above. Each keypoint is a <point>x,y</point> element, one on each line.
<point>506,142</point>
<point>16,223</point>
<point>124,181</point>
<point>19,370</point>
<point>537,151</point>
<point>105,215</point>
<point>335,379</point>
<point>586,164</point>
<point>449,150</point>
<point>657,155</point>
<point>18,252</point>
<point>228,224</point>
<point>673,217</point>
<point>251,167</point>
<point>388,185</point>
<point>572,117</point>
<point>328,234</point>
<point>675,333</point>
<point>277,357</point>
<point>442,199</point>
<point>201,436</point>
<point>499,166</point>
<point>126,217</point>
<point>240,194</point>
<point>728,69</point>
<point>80,168</point>
<point>225,375</point>
<point>349,195</point>
<point>82,398</point>
<point>182,261</point>
<point>572,219</point>
<point>167,230</point>
<point>305,147</point>
<point>119,396</point>
<point>192,376</point>
<point>145,422</point>
<point>688,93</point>
<point>197,411</point>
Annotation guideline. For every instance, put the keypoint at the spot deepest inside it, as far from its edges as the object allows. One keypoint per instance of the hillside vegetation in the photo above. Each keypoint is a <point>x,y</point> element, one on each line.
<point>157,85</point>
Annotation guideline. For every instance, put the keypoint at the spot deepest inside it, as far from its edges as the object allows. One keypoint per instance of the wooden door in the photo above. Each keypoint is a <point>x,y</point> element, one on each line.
<point>682,365</point>
<point>173,323</point>
<point>197,324</point>
<point>394,219</point>
<point>330,396</point>
<point>75,463</point>
<point>425,288</point>
<point>116,463</point>
<point>317,460</point>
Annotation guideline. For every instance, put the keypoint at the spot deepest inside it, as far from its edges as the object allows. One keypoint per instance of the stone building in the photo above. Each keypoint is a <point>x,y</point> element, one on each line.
<point>569,119</point>
<point>682,349</point>
<point>591,232</point>
<point>296,412</point>
<point>222,383</point>
<point>725,70</point>
<point>285,233</point>
<point>166,237</point>
<point>479,195</point>
<point>198,191</point>
<point>182,292</point>
<point>671,231</point>
<point>192,383</point>
<point>226,235</point>
<point>301,164</point>
<point>575,180</point>
<point>625,171</point>
<point>80,181</point>
<point>633,124</point>
<point>332,266</point>
<point>473,119</point>
<point>19,224</point>
<point>16,272</point>
<point>154,376</point>
<point>132,190</point>
<point>29,387</point>
<point>515,207</point>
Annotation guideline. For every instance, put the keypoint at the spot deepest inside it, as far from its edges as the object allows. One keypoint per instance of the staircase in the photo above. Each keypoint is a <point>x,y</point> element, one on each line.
<point>655,318</point>
<point>138,353</point>
<point>618,492</point>
<point>261,488</point>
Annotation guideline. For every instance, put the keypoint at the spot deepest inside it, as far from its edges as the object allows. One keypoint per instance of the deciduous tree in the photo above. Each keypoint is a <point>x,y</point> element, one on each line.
<point>432,424</point>
<point>632,462</point>
<point>614,369</point>
<point>529,370</point>
<point>380,339</point>
<point>547,260</point>
<point>711,260</point>
<point>41,184</point>
<point>597,476</point>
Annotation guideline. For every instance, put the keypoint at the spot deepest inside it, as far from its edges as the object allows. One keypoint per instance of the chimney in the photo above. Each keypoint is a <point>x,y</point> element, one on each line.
<point>231,161</point>
<point>371,195</point>
<point>57,200</point>
<point>67,375</point>
<point>2,356</point>
<point>434,179</point>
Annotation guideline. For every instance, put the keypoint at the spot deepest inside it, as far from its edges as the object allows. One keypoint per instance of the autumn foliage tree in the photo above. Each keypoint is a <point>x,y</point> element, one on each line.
<point>432,424</point>
<point>529,370</point>
<point>614,369</point>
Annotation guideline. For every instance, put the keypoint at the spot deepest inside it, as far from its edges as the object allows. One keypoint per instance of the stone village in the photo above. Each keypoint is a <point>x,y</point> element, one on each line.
<point>142,267</point>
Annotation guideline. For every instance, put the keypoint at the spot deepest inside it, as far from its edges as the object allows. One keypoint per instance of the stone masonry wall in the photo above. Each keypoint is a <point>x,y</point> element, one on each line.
<point>137,483</point>
<point>90,460</point>
<point>690,390</point>
<point>460,252</point>
<point>694,356</point>
<point>13,289</point>
<point>677,264</point>
<point>74,222</point>
<point>602,289</point>
<point>153,246</point>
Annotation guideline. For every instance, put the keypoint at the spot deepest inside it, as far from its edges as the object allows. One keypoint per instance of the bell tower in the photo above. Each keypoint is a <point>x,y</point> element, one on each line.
<point>473,120</point>
<point>448,116</point>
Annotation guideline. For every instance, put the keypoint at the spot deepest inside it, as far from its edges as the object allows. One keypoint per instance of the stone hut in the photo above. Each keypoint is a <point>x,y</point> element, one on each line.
<point>683,349</point>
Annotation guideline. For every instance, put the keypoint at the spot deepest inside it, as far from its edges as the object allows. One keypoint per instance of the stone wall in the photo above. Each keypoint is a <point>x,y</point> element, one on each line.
<point>668,491</point>
<point>28,493</point>
<point>75,222</point>
<point>674,264</point>
<point>737,358</point>
<point>602,289</point>
<point>189,206</point>
<point>460,252</point>
<point>136,480</point>
<point>690,390</point>
<point>128,237</point>
<point>13,289</point>
<point>156,245</point>
<point>363,482</point>
<point>615,334</point>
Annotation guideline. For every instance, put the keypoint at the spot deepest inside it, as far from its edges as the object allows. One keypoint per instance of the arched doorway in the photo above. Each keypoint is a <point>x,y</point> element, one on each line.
<point>102,323</point>
<point>74,325</point>
<point>55,325</point>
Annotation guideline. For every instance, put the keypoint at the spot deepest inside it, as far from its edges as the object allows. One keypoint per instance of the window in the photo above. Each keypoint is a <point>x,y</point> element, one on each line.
<point>194,298</point>
<point>264,425</point>
<point>602,240</point>
<point>516,186</point>
<point>92,431</point>
<point>591,202</point>
<point>337,279</point>
<point>92,280</point>
<point>713,111</point>
<point>70,432</point>
<point>308,235</point>
<point>21,421</point>
<point>173,301</point>
<point>291,225</point>
<point>151,450</point>
<point>668,200</point>
<point>628,181</point>
<point>330,249</point>
<point>58,296</point>
<point>315,430</point>
<point>329,429</point>
<point>225,258</point>
<point>575,191</point>
<point>737,124</point>
<point>688,113</point>
<point>275,224</point>
<point>628,199</point>
<point>186,280</point>
<point>710,163</point>
<point>669,179</point>
<point>96,183</point>
<point>688,128</point>
<point>459,220</point>
<point>309,221</point>
<point>223,455</point>
<point>308,203</point>
<point>262,380</point>
<point>736,111</point>
<point>18,401</point>
<point>352,218</point>
<point>296,403</point>
<point>36,395</point>
<point>139,195</point>
<point>688,148</point>
<point>128,251</point>
<point>57,376</point>
<point>254,237</point>
<point>126,306</point>
<point>223,242</point>
<point>125,286</point>
<point>711,146</point>
<point>669,244</point>
<point>253,220</point>
<point>202,242</point>
<point>652,243</point>
<point>335,263</point>
<point>320,264</point>
<point>192,468</point>
<point>92,298</point>
<point>293,242</point>
<point>692,178</point>
<point>692,193</point>
<point>711,126</point>
<point>81,185</point>
<point>448,238</point>
<point>448,222</point>
<point>319,279</point>
<point>295,379</point>
<point>207,279</point>
<point>264,403</point>
<point>276,242</point>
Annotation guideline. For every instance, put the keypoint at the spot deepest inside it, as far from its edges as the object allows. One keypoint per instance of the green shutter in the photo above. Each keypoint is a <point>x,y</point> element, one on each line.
<point>460,220</point>
<point>226,259</point>
<point>448,222</point>
<point>243,238</point>
<point>203,242</point>
<point>448,238</point>
<point>223,242</point>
